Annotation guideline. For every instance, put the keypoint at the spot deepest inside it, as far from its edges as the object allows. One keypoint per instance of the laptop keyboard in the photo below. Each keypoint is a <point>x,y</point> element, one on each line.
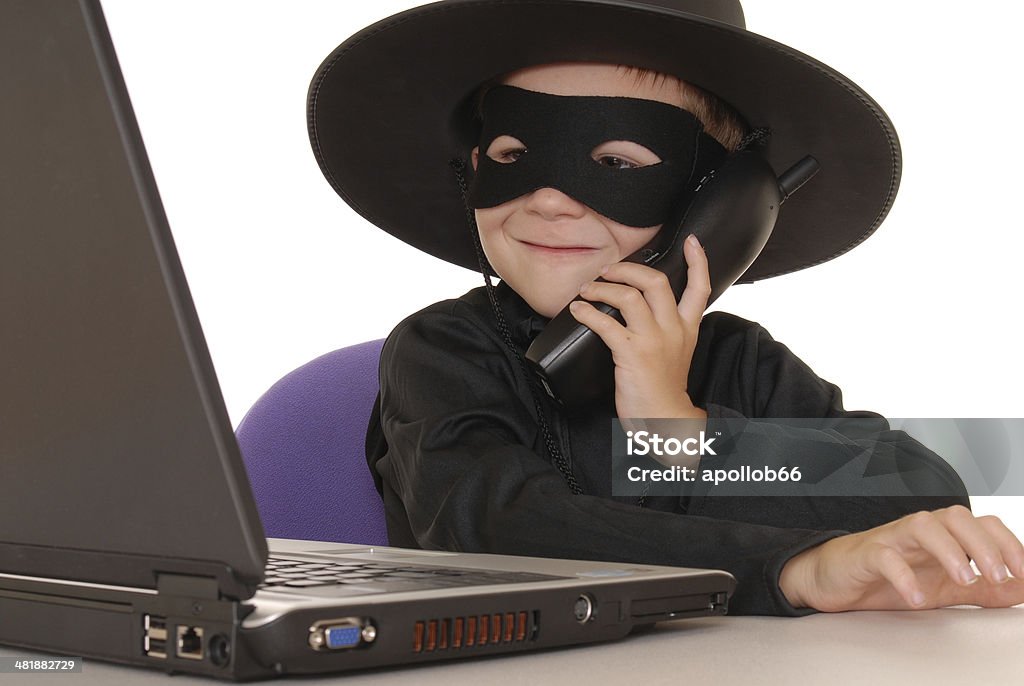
<point>300,574</point>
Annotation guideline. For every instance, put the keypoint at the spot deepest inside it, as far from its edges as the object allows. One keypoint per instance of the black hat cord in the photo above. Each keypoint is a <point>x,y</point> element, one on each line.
<point>458,165</point>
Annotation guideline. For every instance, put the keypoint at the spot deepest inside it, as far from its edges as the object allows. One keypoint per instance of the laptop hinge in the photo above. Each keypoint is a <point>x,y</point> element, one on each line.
<point>204,587</point>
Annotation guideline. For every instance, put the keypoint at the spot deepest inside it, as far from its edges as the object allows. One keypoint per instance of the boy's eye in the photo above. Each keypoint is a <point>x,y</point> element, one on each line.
<point>624,155</point>
<point>616,162</point>
<point>506,149</point>
<point>510,155</point>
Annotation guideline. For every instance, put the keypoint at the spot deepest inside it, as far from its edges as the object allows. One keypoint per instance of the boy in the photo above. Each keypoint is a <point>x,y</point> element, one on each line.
<point>466,452</point>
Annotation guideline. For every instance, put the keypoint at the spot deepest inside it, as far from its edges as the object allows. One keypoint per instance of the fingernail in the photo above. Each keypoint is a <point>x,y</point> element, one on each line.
<point>967,575</point>
<point>1000,575</point>
<point>604,268</point>
<point>575,305</point>
<point>584,286</point>
<point>693,240</point>
<point>917,598</point>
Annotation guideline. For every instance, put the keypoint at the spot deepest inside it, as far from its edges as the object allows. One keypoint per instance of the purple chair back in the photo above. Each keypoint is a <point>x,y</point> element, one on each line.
<point>303,446</point>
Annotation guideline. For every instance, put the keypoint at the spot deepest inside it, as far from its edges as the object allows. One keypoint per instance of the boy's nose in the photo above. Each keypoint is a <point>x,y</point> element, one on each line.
<point>551,203</point>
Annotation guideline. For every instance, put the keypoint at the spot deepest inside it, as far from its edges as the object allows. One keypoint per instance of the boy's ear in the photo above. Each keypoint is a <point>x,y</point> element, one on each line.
<point>474,155</point>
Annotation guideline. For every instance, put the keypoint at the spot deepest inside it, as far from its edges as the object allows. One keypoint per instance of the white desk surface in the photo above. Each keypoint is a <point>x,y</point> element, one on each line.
<point>928,648</point>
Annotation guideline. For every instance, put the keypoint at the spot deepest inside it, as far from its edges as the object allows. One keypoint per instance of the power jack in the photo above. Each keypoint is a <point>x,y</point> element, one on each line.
<point>220,650</point>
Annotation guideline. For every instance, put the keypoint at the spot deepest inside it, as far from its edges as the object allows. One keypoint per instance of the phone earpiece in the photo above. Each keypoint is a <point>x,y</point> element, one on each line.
<point>732,213</point>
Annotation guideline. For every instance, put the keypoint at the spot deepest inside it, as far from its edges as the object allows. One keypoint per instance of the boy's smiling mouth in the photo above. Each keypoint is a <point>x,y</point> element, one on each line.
<point>559,249</point>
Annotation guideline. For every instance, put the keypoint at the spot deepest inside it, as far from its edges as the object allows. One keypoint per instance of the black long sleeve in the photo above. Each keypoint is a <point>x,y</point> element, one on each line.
<point>455,449</point>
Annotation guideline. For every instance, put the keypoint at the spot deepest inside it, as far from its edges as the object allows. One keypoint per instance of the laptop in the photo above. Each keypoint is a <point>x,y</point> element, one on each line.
<point>128,531</point>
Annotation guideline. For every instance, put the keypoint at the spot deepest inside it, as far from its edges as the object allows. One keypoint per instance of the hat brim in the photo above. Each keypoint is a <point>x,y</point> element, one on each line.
<point>391,106</point>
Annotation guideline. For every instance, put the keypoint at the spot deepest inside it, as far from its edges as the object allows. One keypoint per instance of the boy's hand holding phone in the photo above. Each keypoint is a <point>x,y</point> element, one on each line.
<point>653,351</point>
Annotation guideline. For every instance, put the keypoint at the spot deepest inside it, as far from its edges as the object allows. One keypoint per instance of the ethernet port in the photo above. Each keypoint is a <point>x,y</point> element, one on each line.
<point>190,642</point>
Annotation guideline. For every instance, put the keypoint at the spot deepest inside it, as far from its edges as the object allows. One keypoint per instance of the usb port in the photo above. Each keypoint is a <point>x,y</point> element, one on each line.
<point>154,640</point>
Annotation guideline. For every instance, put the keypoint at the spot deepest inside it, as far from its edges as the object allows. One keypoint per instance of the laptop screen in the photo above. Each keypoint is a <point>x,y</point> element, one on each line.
<point>113,434</point>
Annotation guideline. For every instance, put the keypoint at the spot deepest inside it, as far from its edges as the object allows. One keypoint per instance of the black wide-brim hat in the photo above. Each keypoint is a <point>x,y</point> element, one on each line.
<point>392,105</point>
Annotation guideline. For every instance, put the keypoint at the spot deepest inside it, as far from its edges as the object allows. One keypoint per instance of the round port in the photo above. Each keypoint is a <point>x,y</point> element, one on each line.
<point>220,650</point>
<point>583,610</point>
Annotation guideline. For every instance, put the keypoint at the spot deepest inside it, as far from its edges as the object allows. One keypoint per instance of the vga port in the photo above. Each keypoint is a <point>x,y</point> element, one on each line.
<point>342,633</point>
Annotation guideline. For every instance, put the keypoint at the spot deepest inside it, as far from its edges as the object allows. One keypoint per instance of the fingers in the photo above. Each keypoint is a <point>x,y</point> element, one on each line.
<point>952,537</point>
<point>932,534</point>
<point>660,302</point>
<point>1009,544</point>
<point>891,565</point>
<point>630,301</point>
<point>656,290</point>
<point>987,541</point>
<point>698,282</point>
<point>644,297</point>
<point>919,582</point>
<point>897,559</point>
<point>610,331</point>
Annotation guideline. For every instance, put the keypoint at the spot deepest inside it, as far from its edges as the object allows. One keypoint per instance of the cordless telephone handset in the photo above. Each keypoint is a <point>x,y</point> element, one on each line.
<point>732,213</point>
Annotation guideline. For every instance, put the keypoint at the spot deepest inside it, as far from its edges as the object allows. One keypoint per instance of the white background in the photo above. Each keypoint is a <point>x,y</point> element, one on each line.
<point>922,320</point>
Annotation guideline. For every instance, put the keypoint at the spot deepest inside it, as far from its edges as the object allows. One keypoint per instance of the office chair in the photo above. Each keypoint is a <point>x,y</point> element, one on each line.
<point>303,446</point>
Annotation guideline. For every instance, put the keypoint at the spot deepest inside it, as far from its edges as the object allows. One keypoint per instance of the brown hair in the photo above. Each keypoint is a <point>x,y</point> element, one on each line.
<point>720,120</point>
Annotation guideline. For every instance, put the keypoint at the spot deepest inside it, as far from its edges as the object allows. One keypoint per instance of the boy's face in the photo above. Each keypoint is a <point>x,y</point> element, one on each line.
<point>545,244</point>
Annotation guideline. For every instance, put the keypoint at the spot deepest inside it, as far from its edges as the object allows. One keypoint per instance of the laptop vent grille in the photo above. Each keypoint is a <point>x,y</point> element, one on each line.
<point>474,631</point>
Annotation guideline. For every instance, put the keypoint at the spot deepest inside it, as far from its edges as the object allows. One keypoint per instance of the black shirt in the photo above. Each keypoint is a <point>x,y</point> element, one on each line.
<point>455,449</point>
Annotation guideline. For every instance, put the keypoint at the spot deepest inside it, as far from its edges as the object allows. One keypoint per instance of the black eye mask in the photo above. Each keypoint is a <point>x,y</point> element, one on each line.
<point>560,133</point>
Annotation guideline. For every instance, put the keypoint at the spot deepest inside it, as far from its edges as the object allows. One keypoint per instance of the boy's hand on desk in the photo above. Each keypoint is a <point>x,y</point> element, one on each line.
<point>925,554</point>
<point>652,352</point>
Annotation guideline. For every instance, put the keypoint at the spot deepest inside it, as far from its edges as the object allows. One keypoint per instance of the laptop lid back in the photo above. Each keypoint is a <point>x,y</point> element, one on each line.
<point>118,459</point>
